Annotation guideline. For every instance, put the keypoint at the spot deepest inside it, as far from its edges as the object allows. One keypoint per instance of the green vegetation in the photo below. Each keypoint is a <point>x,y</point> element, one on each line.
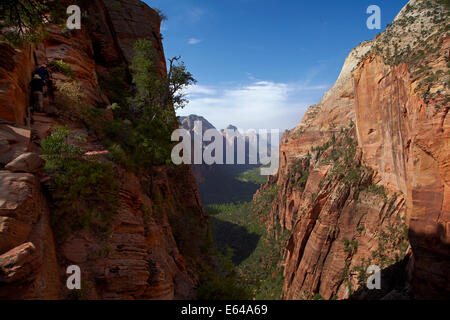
<point>392,244</point>
<point>263,201</point>
<point>116,5</point>
<point>222,282</point>
<point>71,105</point>
<point>350,246</point>
<point>139,136</point>
<point>25,19</point>
<point>341,153</point>
<point>253,176</point>
<point>69,99</point>
<point>392,247</point>
<point>256,253</point>
<point>226,184</point>
<point>64,68</point>
<point>300,184</point>
<point>84,191</point>
<point>115,84</point>
<point>144,117</point>
<point>378,190</point>
<point>81,294</point>
<point>300,173</point>
<point>426,48</point>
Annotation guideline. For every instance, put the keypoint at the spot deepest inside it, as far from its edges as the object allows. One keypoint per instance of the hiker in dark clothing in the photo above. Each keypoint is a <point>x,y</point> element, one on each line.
<point>42,71</point>
<point>37,90</point>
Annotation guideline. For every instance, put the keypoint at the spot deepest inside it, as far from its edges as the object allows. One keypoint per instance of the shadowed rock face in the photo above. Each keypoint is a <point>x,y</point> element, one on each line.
<point>116,25</point>
<point>14,82</point>
<point>153,250</point>
<point>398,104</point>
<point>14,141</point>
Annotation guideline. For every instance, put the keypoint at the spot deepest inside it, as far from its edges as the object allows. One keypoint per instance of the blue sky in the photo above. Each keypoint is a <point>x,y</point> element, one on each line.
<point>260,64</point>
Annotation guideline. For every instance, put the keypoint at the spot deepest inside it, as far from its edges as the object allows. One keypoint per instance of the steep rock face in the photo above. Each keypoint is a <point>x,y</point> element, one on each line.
<point>155,243</point>
<point>341,225</point>
<point>74,49</point>
<point>395,104</point>
<point>116,25</point>
<point>321,121</point>
<point>407,141</point>
<point>14,82</point>
<point>14,141</point>
<point>27,252</point>
<point>140,258</point>
<point>134,20</point>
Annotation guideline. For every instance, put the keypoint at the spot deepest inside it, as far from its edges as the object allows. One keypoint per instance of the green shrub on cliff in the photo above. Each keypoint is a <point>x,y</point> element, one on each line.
<point>378,190</point>
<point>144,122</point>
<point>69,99</point>
<point>62,67</point>
<point>57,150</point>
<point>84,191</point>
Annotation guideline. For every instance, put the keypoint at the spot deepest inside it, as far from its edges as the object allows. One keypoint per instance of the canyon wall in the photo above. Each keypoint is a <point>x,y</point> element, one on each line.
<point>156,242</point>
<point>406,140</point>
<point>364,177</point>
<point>14,79</point>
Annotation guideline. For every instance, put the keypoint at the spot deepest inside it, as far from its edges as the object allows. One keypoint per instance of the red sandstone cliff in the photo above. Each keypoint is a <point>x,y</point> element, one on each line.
<point>345,209</point>
<point>156,241</point>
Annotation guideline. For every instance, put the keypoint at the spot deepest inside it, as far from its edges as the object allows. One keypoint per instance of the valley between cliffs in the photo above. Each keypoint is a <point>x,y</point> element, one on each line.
<point>363,179</point>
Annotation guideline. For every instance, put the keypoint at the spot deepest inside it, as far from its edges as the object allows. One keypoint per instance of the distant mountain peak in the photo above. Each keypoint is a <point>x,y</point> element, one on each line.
<point>188,122</point>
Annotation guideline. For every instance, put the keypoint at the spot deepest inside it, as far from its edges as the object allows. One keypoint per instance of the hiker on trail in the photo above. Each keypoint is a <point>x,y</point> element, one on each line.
<point>42,71</point>
<point>37,90</point>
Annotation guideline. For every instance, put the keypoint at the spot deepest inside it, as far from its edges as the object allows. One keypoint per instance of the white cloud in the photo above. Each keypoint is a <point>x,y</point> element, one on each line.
<point>200,90</point>
<point>193,41</point>
<point>258,105</point>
